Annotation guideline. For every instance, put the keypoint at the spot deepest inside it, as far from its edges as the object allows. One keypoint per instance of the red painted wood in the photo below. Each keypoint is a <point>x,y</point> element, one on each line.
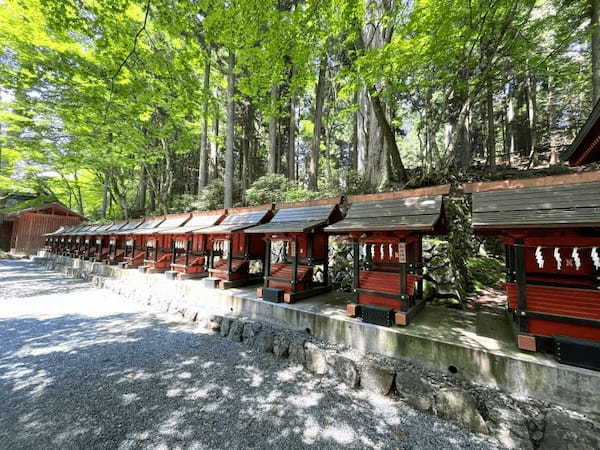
<point>567,266</point>
<point>239,270</point>
<point>196,264</point>
<point>163,262</point>
<point>29,227</point>
<point>584,303</point>
<point>372,299</point>
<point>303,278</point>
<point>387,282</point>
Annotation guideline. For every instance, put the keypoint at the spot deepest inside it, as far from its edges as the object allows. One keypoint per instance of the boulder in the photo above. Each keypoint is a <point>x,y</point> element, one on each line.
<point>344,369</point>
<point>190,314</point>
<point>296,350</point>
<point>281,345</point>
<point>225,325</point>
<point>315,359</point>
<point>235,330</point>
<point>566,431</point>
<point>264,340</point>
<point>415,390</point>
<point>376,378</point>
<point>459,406</point>
<point>250,332</point>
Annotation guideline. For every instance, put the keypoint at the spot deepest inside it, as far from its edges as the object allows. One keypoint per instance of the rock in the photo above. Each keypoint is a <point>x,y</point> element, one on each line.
<point>344,369</point>
<point>296,350</point>
<point>510,426</point>
<point>377,379</point>
<point>251,329</point>
<point>225,325</point>
<point>281,346</point>
<point>460,406</point>
<point>235,330</point>
<point>190,314</point>
<point>264,340</point>
<point>415,390</point>
<point>566,431</point>
<point>315,359</point>
<point>213,323</point>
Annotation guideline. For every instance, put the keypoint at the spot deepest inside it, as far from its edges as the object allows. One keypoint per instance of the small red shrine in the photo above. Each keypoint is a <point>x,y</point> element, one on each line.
<point>160,242</point>
<point>297,250</point>
<point>232,251</point>
<point>190,250</point>
<point>386,232</point>
<point>552,240</point>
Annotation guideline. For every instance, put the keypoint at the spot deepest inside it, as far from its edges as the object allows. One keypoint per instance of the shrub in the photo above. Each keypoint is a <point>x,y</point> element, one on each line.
<point>267,189</point>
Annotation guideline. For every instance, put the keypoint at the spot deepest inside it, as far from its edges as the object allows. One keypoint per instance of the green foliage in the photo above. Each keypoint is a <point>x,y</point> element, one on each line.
<point>486,271</point>
<point>42,199</point>
<point>267,189</point>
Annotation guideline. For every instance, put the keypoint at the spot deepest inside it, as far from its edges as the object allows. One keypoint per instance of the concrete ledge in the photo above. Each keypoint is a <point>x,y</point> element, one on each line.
<point>476,347</point>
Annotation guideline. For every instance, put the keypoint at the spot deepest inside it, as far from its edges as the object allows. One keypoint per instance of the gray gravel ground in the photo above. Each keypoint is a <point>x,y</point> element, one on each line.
<point>85,368</point>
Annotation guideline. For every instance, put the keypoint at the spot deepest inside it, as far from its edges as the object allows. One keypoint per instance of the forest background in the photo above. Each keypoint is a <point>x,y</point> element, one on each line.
<point>127,108</point>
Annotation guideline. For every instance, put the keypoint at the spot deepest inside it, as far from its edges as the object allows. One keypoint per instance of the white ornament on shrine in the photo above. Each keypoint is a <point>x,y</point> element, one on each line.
<point>539,257</point>
<point>576,258</point>
<point>596,257</point>
<point>557,258</point>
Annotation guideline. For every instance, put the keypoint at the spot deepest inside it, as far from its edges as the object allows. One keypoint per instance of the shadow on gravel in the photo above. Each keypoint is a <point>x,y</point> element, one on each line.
<point>122,381</point>
<point>135,380</point>
<point>26,280</point>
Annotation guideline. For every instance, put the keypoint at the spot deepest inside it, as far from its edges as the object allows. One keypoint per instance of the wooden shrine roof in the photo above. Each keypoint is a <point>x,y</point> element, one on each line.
<point>585,148</point>
<point>130,226</point>
<point>238,222</point>
<point>86,229</point>
<point>102,229</point>
<point>201,220</point>
<point>300,219</point>
<point>114,227</point>
<point>149,226</point>
<point>565,205</point>
<point>171,224</point>
<point>395,214</point>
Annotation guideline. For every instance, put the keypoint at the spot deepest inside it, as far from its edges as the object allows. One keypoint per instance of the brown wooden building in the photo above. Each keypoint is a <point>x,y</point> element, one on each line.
<point>23,232</point>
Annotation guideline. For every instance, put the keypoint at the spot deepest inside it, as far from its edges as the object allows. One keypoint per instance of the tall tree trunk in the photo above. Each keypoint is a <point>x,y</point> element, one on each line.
<point>104,207</point>
<point>142,188</point>
<point>214,152</point>
<point>313,170</point>
<point>362,132</point>
<point>554,157</point>
<point>531,116</point>
<point>273,151</point>
<point>389,138</point>
<point>203,164</point>
<point>354,142</point>
<point>595,25</point>
<point>491,130</point>
<point>510,123</point>
<point>291,153</point>
<point>228,179</point>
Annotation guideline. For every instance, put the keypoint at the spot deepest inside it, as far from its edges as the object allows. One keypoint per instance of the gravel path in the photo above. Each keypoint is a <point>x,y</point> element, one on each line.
<point>85,368</point>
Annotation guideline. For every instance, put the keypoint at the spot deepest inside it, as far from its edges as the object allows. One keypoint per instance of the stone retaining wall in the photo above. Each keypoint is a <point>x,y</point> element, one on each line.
<point>516,423</point>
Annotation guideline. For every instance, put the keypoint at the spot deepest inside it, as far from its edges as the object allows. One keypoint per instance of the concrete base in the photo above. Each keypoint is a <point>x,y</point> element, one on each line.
<point>192,276</point>
<point>171,274</point>
<point>210,283</point>
<point>228,284</point>
<point>477,346</point>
